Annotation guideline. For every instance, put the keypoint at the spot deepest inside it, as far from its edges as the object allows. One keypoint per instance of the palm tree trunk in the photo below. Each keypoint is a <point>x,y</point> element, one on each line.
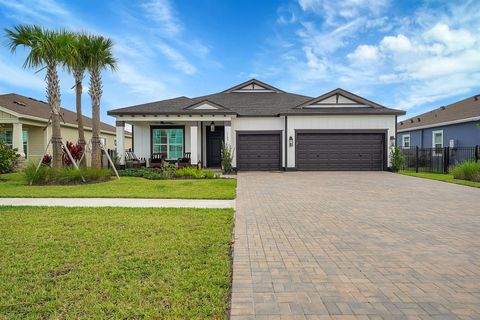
<point>78,74</point>
<point>95,92</point>
<point>53,92</point>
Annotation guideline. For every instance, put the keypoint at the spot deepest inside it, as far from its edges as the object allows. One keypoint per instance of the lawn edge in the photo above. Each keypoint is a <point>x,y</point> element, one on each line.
<point>459,182</point>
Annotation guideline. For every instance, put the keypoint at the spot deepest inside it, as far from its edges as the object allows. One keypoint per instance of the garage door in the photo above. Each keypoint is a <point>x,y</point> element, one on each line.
<point>340,151</point>
<point>258,151</point>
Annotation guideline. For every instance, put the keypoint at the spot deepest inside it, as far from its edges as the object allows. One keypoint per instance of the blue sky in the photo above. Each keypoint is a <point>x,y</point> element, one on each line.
<point>410,55</point>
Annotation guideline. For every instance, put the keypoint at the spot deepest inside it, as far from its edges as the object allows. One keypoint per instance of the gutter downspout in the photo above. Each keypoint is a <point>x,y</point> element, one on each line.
<point>286,143</point>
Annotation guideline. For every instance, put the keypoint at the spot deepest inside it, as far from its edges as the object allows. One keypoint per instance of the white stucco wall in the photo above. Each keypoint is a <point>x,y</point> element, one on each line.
<point>257,124</point>
<point>346,122</point>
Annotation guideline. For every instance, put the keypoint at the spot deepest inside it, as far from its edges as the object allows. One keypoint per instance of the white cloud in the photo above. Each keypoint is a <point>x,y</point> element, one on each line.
<point>16,76</point>
<point>454,40</point>
<point>161,12</point>
<point>364,53</point>
<point>397,44</point>
<point>180,62</point>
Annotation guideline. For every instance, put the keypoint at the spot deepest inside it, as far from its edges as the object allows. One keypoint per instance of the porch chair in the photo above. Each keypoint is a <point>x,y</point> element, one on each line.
<point>156,160</point>
<point>131,160</point>
<point>186,161</point>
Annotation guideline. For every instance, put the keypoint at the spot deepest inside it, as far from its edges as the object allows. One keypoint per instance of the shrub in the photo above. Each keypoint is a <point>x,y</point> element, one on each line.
<point>227,158</point>
<point>469,170</point>
<point>68,175</point>
<point>396,158</point>
<point>47,159</point>
<point>75,150</point>
<point>169,171</point>
<point>8,158</point>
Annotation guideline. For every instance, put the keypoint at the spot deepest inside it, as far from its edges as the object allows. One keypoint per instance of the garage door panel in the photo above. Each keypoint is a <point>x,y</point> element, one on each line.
<point>340,151</point>
<point>258,151</point>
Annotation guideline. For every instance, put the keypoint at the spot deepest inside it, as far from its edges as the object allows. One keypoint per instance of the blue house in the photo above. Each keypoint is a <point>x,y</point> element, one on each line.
<point>456,125</point>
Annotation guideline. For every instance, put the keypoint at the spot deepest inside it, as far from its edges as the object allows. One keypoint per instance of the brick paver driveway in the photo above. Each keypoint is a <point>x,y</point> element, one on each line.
<point>355,245</point>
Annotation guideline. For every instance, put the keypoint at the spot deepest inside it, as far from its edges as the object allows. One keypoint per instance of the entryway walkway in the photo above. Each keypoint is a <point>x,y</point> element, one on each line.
<point>355,245</point>
<point>119,202</point>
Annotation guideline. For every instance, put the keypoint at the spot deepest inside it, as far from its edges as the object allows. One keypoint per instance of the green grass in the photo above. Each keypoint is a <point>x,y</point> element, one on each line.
<point>13,185</point>
<point>441,177</point>
<point>103,263</point>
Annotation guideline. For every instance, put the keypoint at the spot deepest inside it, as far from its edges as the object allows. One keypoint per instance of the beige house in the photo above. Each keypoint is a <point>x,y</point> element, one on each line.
<point>24,124</point>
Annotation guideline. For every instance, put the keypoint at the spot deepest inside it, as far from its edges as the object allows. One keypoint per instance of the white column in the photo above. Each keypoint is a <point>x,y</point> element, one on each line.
<point>17,138</point>
<point>228,133</point>
<point>194,145</point>
<point>120,130</point>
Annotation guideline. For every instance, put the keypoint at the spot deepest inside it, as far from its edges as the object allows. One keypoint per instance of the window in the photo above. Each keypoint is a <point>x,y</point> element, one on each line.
<point>6,135</point>
<point>406,141</point>
<point>437,141</point>
<point>25,142</point>
<point>103,141</point>
<point>169,142</point>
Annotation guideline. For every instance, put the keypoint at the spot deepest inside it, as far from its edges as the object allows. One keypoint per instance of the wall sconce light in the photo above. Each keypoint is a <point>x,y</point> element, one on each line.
<point>290,141</point>
<point>212,126</point>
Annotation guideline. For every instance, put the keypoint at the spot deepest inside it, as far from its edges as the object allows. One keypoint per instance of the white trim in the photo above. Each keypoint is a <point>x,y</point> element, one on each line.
<point>433,137</point>
<point>409,140</point>
<point>446,123</point>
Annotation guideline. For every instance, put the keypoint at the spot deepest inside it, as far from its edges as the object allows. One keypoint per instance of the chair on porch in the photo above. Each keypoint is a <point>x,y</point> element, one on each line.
<point>131,160</point>
<point>186,161</point>
<point>156,161</point>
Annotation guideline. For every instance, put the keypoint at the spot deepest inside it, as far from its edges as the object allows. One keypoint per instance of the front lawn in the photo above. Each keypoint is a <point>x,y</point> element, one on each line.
<point>13,185</point>
<point>441,177</point>
<point>103,263</point>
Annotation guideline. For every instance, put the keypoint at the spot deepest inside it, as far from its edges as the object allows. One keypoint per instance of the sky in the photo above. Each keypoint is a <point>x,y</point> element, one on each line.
<point>410,55</point>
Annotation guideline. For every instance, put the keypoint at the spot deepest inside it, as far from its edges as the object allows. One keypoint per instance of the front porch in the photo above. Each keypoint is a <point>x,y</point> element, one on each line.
<point>175,136</point>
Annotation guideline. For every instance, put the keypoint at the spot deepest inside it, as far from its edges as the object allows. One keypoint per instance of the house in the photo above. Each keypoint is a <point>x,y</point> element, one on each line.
<point>267,128</point>
<point>455,125</point>
<point>24,125</point>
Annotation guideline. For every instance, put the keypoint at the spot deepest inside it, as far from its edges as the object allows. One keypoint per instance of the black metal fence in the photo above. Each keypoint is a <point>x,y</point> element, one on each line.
<point>437,160</point>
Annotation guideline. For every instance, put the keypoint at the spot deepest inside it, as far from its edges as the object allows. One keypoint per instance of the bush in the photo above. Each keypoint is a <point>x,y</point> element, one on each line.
<point>469,170</point>
<point>68,175</point>
<point>169,171</point>
<point>396,158</point>
<point>8,158</point>
<point>227,158</point>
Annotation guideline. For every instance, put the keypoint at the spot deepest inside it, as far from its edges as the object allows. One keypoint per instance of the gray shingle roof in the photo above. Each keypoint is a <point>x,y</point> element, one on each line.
<point>251,104</point>
<point>464,109</point>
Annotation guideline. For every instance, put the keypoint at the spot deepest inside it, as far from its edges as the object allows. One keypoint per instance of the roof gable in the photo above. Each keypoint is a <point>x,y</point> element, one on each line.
<point>338,98</point>
<point>205,105</point>
<point>253,85</point>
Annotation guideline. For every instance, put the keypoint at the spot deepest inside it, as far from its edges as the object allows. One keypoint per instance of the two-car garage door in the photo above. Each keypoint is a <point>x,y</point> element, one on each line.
<point>340,151</point>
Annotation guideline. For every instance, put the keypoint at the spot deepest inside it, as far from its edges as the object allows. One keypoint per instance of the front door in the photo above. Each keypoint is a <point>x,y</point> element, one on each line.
<point>214,146</point>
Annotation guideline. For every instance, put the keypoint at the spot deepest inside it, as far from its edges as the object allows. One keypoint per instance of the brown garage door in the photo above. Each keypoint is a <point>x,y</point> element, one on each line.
<point>258,151</point>
<point>340,151</point>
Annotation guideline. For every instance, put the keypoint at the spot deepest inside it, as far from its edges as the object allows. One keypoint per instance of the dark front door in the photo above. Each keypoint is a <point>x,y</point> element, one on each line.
<point>214,146</point>
<point>340,151</point>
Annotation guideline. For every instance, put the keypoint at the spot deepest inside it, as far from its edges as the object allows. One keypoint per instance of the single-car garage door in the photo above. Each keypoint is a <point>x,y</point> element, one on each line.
<point>258,151</point>
<point>340,151</point>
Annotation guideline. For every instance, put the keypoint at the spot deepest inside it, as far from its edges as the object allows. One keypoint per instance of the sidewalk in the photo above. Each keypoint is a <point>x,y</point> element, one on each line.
<point>118,202</point>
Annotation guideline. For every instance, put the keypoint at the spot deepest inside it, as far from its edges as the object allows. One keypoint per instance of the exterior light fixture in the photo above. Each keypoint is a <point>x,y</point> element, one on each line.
<point>290,141</point>
<point>212,126</point>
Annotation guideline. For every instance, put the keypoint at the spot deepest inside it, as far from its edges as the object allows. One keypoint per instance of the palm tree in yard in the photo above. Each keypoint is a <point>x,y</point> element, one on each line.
<point>47,48</point>
<point>76,64</point>
<point>99,57</point>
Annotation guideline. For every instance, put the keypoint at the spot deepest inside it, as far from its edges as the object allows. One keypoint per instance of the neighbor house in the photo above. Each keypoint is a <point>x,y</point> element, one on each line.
<point>267,128</point>
<point>24,124</point>
<point>454,125</point>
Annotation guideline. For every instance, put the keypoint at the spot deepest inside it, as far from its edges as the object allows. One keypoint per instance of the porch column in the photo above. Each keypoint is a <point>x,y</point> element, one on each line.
<point>228,133</point>
<point>194,145</point>
<point>17,138</point>
<point>120,130</point>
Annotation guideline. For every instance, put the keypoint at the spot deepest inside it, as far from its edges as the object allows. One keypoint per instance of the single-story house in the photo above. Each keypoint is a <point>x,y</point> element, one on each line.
<point>267,129</point>
<point>454,125</point>
<point>24,125</point>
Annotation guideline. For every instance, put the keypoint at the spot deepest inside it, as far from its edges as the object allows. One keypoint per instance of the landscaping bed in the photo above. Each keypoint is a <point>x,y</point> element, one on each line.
<point>99,263</point>
<point>14,185</point>
<point>441,177</point>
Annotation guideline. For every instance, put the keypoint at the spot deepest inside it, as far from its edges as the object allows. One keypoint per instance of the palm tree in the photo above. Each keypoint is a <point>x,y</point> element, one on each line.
<point>76,64</point>
<point>99,57</point>
<point>47,48</point>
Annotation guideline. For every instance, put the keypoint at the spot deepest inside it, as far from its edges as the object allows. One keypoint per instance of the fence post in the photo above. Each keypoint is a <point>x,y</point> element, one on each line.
<point>416,159</point>
<point>446,159</point>
<point>477,152</point>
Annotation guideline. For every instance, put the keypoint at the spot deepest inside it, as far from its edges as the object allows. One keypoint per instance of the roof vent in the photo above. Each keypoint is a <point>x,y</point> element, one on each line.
<point>476,97</point>
<point>411,120</point>
<point>418,119</point>
<point>20,103</point>
<point>442,107</point>
<point>401,123</point>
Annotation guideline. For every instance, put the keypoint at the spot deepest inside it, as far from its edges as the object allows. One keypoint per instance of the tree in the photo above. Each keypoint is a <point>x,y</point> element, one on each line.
<point>76,64</point>
<point>47,48</point>
<point>99,57</point>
